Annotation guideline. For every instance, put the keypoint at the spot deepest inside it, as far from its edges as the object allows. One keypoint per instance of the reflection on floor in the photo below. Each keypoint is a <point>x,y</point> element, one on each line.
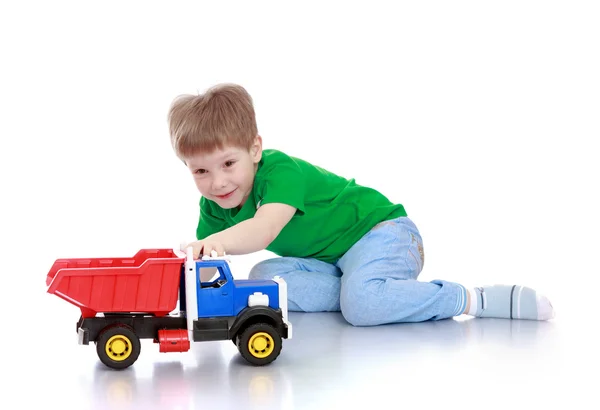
<point>329,364</point>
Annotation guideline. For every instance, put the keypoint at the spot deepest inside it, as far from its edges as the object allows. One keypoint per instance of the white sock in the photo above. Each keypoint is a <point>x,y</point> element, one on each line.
<point>474,297</point>
<point>510,302</point>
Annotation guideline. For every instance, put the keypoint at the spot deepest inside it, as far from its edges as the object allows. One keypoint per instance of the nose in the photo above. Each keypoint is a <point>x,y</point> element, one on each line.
<point>218,182</point>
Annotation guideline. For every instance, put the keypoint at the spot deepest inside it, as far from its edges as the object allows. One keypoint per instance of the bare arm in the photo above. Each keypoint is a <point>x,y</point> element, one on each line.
<point>249,236</point>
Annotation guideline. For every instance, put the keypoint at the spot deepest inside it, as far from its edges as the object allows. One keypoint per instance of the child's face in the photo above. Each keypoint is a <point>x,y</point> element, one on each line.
<point>226,176</point>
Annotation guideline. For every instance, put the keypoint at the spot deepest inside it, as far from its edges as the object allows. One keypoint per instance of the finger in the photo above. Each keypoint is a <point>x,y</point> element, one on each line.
<point>207,250</point>
<point>198,247</point>
<point>220,249</point>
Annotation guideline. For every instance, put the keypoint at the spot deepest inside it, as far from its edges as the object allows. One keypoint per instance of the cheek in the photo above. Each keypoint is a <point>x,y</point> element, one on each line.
<point>243,177</point>
<point>201,184</point>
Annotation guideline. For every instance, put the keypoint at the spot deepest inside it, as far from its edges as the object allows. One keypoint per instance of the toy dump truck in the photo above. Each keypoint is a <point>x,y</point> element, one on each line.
<point>123,300</point>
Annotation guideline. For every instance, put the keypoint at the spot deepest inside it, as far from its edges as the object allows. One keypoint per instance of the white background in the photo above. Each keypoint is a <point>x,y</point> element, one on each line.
<point>480,117</point>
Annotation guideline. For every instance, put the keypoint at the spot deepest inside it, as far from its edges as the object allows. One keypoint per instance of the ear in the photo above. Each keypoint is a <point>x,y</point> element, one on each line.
<point>256,149</point>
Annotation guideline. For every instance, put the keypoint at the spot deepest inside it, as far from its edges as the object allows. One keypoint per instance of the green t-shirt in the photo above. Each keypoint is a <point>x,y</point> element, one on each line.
<point>333,213</point>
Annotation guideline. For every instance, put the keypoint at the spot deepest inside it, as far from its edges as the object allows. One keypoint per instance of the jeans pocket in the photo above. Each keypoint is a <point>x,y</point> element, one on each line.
<point>416,255</point>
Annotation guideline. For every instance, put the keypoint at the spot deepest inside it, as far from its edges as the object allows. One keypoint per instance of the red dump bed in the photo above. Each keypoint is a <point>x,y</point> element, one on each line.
<point>148,282</point>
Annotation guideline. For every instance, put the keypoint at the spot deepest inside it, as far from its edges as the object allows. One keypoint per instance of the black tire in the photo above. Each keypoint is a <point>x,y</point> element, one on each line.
<point>126,346</point>
<point>259,333</point>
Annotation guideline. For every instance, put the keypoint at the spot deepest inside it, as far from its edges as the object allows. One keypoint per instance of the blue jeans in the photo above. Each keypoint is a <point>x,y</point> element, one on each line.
<point>373,283</point>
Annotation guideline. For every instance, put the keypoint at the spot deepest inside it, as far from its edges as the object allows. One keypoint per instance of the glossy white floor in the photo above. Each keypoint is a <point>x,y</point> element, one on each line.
<point>483,363</point>
<point>480,117</point>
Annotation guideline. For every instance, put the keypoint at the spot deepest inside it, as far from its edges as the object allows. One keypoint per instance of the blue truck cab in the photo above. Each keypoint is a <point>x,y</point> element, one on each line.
<point>225,296</point>
<point>253,314</point>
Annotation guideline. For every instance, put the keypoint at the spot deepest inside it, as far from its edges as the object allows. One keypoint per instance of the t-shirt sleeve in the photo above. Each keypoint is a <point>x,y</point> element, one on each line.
<point>285,183</point>
<point>209,223</point>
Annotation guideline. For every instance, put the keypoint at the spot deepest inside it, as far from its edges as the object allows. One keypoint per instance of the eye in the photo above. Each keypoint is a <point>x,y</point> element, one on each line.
<point>229,163</point>
<point>200,171</point>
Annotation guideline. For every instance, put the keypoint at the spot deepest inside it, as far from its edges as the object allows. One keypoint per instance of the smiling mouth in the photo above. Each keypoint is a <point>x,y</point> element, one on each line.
<point>226,195</point>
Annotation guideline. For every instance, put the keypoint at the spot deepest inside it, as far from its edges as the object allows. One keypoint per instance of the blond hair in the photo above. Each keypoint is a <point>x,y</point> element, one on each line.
<point>222,116</point>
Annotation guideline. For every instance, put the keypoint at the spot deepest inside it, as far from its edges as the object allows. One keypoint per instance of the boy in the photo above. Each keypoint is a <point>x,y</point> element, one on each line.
<point>341,246</point>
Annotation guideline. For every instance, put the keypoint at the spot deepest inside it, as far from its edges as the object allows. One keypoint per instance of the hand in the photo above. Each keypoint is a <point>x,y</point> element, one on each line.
<point>206,247</point>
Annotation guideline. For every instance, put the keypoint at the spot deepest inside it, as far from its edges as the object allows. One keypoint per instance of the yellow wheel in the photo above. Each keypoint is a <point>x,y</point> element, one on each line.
<point>259,343</point>
<point>118,347</point>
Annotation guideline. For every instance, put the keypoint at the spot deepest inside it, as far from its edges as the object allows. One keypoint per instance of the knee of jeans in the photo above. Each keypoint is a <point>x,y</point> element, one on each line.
<point>264,270</point>
<point>355,307</point>
<point>355,314</point>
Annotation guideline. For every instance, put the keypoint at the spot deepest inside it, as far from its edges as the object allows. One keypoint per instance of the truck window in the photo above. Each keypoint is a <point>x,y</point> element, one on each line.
<point>216,281</point>
<point>208,274</point>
